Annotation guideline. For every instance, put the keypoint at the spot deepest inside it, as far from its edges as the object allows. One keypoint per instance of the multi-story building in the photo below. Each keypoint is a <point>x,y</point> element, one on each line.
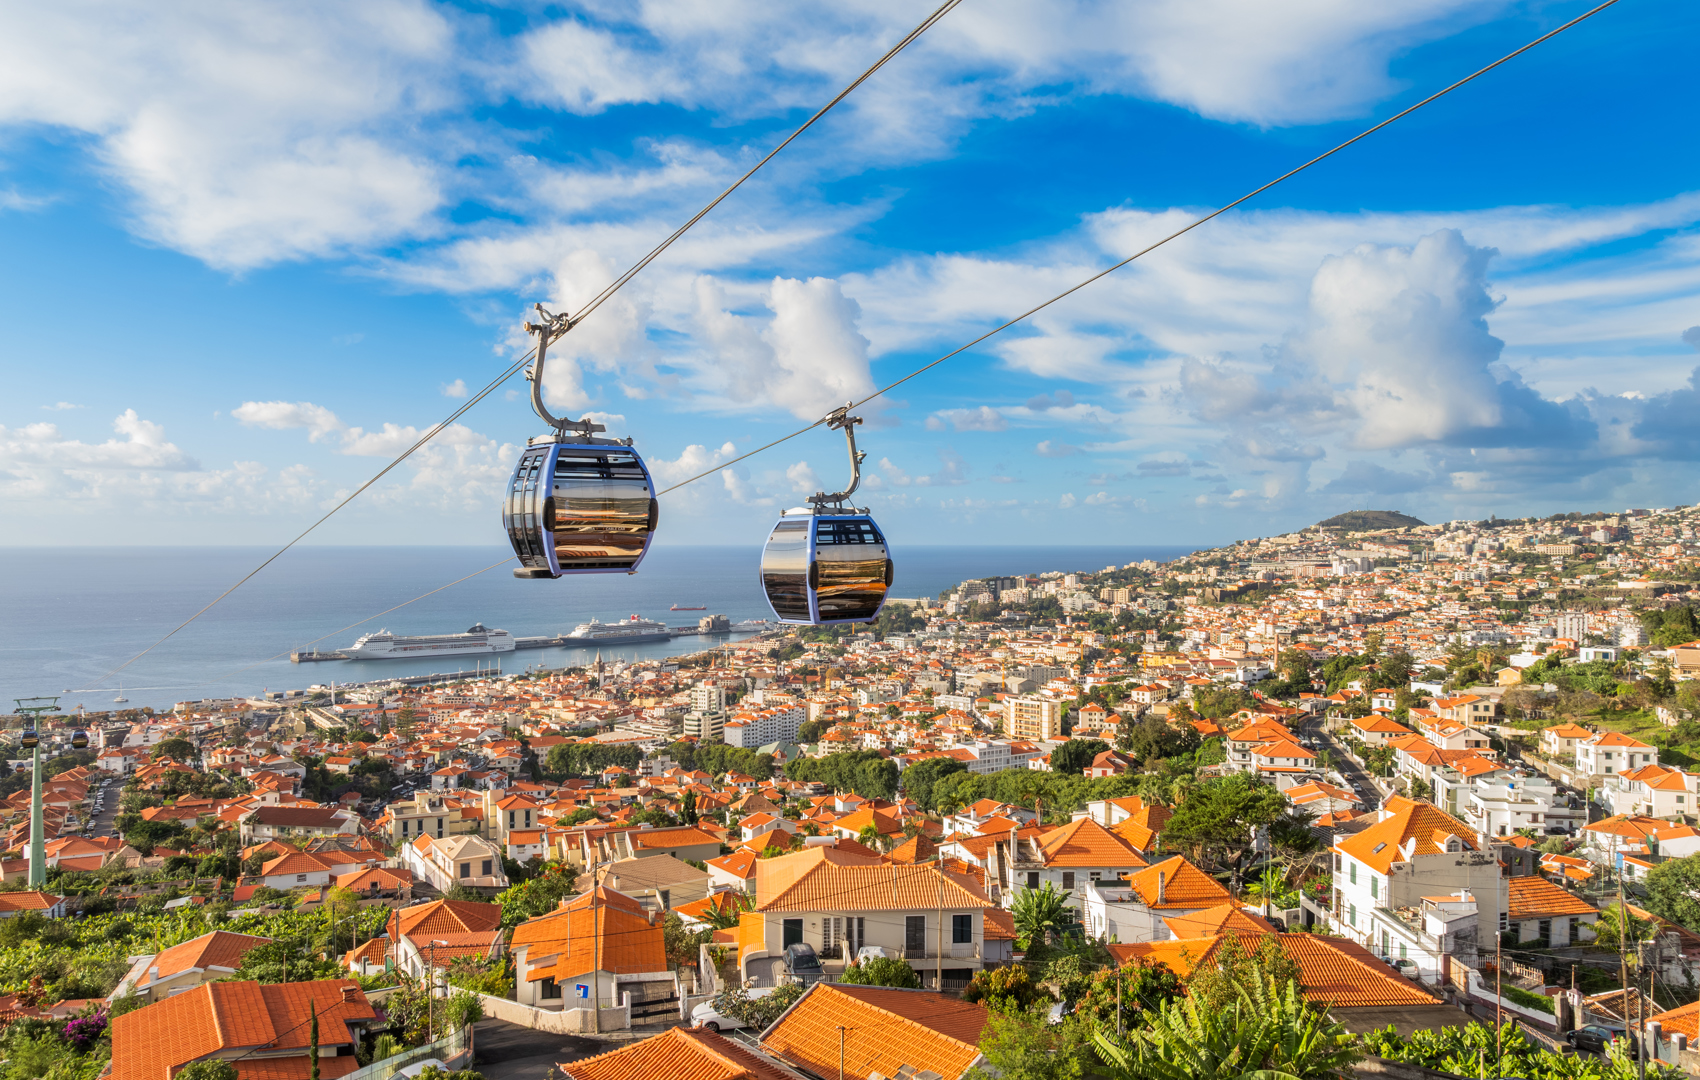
<point>1417,885</point>
<point>1561,740</point>
<point>428,814</point>
<point>471,861</point>
<point>758,727</point>
<point>1502,803</point>
<point>1611,752</point>
<point>1651,791</point>
<point>1030,716</point>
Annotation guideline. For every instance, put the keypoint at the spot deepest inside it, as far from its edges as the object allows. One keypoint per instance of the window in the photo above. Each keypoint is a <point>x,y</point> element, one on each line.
<point>961,929</point>
<point>465,869</point>
<point>1352,914</point>
<point>510,819</point>
<point>1352,874</point>
<point>1374,887</point>
<point>1094,875</point>
<point>791,933</point>
<point>486,870</point>
<point>666,895</point>
<point>1068,880</point>
<point>1033,879</point>
<point>550,989</point>
<point>915,934</point>
<point>300,877</point>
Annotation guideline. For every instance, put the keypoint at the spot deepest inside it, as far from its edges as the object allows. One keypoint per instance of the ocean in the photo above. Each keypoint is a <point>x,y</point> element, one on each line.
<point>70,615</point>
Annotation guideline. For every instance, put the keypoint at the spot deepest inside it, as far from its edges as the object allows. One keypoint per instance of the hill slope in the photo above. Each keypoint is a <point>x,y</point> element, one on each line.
<point>1370,520</point>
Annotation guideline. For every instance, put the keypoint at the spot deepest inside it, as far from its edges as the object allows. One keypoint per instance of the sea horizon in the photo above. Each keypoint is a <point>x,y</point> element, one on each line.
<point>71,619</point>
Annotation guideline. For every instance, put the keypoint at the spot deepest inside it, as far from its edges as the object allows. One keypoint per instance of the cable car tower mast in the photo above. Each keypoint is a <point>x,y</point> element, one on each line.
<point>30,708</point>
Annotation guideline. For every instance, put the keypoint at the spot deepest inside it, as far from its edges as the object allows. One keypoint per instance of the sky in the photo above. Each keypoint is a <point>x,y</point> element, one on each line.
<point>252,250</point>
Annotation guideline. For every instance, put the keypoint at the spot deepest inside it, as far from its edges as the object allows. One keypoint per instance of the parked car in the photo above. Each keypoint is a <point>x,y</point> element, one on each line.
<point>1406,967</point>
<point>1597,1037</point>
<point>1061,1011</point>
<point>873,952</point>
<point>803,964</point>
<point>705,1016</point>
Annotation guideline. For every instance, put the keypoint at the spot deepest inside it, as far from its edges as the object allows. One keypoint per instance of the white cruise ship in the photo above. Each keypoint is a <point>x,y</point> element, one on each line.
<point>475,642</point>
<point>627,632</point>
<point>756,625</point>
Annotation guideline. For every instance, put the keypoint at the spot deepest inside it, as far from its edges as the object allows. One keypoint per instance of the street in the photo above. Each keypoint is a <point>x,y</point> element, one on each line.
<point>505,1051</point>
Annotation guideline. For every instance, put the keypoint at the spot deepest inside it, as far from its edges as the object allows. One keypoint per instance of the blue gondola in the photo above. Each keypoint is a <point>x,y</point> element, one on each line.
<point>576,504</point>
<point>79,739</point>
<point>29,740</point>
<point>827,563</point>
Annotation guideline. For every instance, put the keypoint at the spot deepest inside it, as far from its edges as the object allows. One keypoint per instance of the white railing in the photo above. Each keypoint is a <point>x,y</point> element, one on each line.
<point>446,1050</point>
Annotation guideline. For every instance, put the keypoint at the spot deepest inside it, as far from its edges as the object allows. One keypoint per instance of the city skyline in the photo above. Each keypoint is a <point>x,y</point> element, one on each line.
<point>296,240</point>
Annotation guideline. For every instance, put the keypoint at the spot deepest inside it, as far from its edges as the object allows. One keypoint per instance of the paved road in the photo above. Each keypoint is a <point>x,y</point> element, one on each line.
<point>1346,766</point>
<point>103,820</point>
<point>507,1051</point>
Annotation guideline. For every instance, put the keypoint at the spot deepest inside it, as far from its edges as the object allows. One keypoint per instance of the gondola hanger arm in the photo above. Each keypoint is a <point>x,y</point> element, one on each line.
<point>551,329</point>
<point>837,419</point>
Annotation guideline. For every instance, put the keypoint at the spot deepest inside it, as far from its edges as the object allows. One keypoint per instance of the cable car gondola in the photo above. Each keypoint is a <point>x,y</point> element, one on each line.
<point>29,740</point>
<point>79,739</point>
<point>827,563</point>
<point>576,504</point>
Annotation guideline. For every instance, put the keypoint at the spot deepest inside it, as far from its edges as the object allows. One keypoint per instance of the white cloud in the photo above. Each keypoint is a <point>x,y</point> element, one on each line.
<point>456,389</point>
<point>143,447</point>
<point>803,479</point>
<point>694,459</point>
<point>983,418</point>
<point>1047,448</point>
<point>1067,501</point>
<point>62,406</point>
<point>319,421</point>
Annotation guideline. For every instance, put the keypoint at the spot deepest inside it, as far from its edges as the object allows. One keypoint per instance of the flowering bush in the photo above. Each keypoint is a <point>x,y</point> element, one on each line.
<point>84,1031</point>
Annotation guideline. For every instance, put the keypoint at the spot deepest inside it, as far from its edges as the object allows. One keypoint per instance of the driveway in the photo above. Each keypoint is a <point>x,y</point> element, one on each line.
<point>507,1051</point>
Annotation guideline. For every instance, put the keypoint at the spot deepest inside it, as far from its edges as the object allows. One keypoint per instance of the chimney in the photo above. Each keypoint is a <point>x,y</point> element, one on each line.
<point>1162,885</point>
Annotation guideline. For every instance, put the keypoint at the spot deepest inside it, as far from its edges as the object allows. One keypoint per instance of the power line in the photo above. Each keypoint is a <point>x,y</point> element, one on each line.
<point>1153,247</point>
<point>939,13</point>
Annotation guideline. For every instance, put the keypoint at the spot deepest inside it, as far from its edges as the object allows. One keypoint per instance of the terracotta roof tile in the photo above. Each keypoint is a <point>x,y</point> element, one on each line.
<point>678,1054</point>
<point>220,948</point>
<point>883,1029</point>
<point>830,885</point>
<point>628,943</point>
<point>1183,886</point>
<point>1414,826</point>
<point>1332,971</point>
<point>1538,898</point>
<point>150,1043</point>
<point>1086,843</point>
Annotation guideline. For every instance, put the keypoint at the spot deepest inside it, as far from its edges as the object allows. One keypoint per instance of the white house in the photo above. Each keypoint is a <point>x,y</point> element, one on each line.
<point>1612,752</point>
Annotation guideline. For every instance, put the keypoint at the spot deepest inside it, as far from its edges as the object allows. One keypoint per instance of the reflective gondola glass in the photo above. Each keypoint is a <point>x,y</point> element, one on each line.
<point>826,569</point>
<point>29,740</point>
<point>579,508</point>
<point>79,739</point>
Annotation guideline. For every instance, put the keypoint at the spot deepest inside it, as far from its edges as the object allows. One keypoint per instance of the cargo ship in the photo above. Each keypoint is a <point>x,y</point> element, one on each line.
<point>676,607</point>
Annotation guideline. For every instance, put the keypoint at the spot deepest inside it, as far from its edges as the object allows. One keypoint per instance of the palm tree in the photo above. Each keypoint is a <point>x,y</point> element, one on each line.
<point>1620,928</point>
<point>1270,1033</point>
<point>1270,884</point>
<point>1041,914</point>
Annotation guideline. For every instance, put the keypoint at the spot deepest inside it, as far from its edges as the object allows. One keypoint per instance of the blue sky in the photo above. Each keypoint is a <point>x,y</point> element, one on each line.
<point>252,249</point>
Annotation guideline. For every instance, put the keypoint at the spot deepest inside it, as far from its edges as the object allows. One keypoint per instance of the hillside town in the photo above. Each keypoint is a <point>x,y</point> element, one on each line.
<point>1441,779</point>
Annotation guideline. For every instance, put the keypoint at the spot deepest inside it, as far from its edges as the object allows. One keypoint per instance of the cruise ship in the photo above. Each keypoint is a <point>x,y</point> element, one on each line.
<point>628,632</point>
<point>756,625</point>
<point>477,641</point>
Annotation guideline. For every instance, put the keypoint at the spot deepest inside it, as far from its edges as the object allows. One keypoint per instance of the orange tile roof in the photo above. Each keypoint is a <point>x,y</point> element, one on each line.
<point>1538,898</point>
<point>150,1043</point>
<point>829,885</point>
<point>678,1054</point>
<point>1332,971</point>
<point>603,929</point>
<point>1413,827</point>
<point>1084,842</point>
<point>444,917</point>
<point>882,1030</point>
<point>1217,920</point>
<point>686,836</point>
<point>220,948</point>
<point>1184,886</point>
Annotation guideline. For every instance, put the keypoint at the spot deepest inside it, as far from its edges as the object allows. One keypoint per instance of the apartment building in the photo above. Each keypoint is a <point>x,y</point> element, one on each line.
<point>1656,791</point>
<point>1029,716</point>
<point>1561,740</point>
<point>1502,803</point>
<point>471,861</point>
<point>754,728</point>
<point>428,814</point>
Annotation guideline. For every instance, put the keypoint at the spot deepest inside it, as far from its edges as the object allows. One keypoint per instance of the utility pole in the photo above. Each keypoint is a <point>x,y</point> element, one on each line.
<point>840,1052</point>
<point>938,964</point>
<point>596,959</point>
<point>1498,1005</point>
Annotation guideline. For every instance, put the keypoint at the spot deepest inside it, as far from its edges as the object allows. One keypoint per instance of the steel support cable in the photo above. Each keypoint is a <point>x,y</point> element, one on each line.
<point>596,302</point>
<point>1401,114</point>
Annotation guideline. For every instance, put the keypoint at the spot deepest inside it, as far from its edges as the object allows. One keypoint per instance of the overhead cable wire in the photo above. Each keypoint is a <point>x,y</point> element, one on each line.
<point>1366,133</point>
<point>940,12</point>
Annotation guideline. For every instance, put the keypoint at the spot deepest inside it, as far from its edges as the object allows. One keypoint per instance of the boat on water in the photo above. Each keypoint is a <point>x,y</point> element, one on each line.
<point>478,641</point>
<point>625,632</point>
<point>676,607</point>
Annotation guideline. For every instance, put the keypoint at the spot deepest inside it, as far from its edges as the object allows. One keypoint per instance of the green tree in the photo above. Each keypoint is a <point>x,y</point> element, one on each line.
<point>179,750</point>
<point>538,896</point>
<point>1072,757</point>
<point>919,778</point>
<point>1041,914</point>
<point>1673,891</point>
<point>882,971</point>
<point>208,1070</point>
<point>1267,1031</point>
<point>1020,1046</point>
<point>1217,817</point>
